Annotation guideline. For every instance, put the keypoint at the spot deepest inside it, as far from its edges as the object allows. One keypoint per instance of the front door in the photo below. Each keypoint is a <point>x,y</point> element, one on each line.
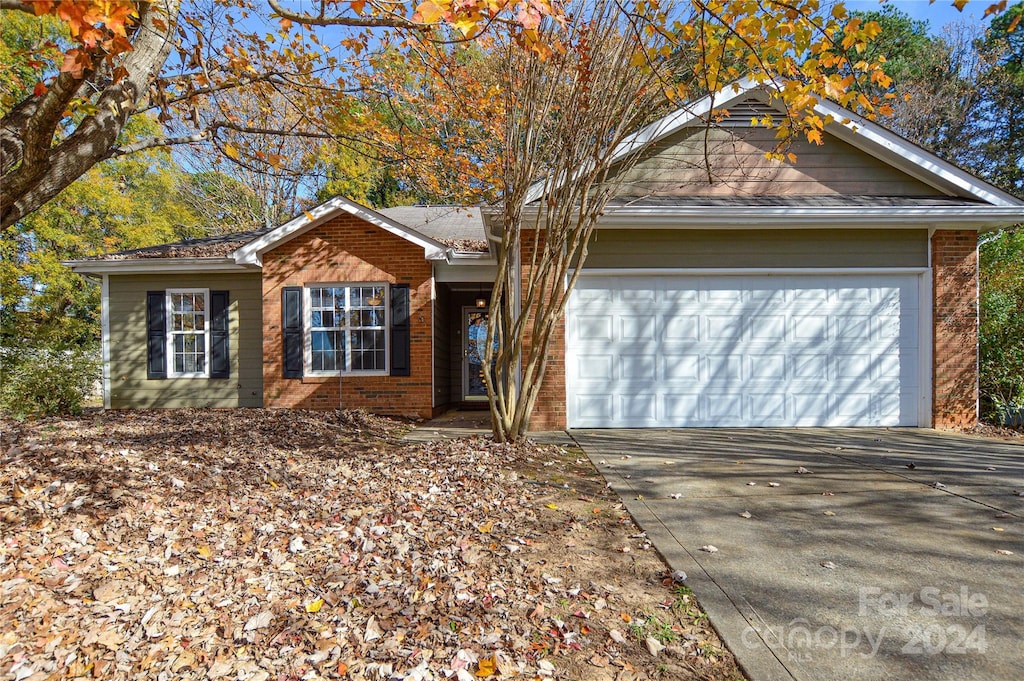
<point>474,334</point>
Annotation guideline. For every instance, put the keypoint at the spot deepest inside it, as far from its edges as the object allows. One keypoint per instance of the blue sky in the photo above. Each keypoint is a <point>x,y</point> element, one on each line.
<point>938,14</point>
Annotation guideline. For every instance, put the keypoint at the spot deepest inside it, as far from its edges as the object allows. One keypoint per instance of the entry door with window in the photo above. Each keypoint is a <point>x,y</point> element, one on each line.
<point>474,334</point>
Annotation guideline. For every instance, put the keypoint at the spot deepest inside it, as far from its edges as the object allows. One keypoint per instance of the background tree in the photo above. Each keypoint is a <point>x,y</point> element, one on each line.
<point>120,58</point>
<point>365,178</point>
<point>120,204</point>
<point>937,81</point>
<point>221,202</point>
<point>1002,109</point>
<point>248,191</point>
<point>1002,324</point>
<point>962,96</point>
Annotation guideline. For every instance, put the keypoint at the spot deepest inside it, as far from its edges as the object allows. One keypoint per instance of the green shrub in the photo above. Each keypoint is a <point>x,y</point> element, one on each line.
<point>1002,324</point>
<point>44,381</point>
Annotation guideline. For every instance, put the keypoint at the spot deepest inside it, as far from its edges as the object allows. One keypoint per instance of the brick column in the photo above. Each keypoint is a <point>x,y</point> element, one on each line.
<point>955,328</point>
<point>549,409</point>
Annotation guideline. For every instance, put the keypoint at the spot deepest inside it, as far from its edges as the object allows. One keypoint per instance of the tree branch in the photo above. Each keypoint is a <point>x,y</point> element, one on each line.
<point>46,170</point>
<point>210,134</point>
<point>321,19</point>
<point>17,6</point>
<point>152,103</point>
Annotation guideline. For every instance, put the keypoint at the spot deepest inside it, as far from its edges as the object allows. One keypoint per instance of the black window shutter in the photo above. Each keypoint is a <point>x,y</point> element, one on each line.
<point>291,329</point>
<point>156,334</point>
<point>220,352</point>
<point>401,356</point>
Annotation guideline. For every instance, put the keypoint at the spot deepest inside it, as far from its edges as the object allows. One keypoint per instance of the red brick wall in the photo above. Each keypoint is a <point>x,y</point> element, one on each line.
<point>955,337</point>
<point>348,249</point>
<point>549,409</point>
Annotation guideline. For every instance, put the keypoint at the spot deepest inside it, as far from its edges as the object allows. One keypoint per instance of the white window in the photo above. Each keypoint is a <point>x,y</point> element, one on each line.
<point>188,336</point>
<point>347,328</point>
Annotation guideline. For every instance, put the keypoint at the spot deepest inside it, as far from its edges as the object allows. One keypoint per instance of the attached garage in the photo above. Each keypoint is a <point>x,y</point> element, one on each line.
<point>770,349</point>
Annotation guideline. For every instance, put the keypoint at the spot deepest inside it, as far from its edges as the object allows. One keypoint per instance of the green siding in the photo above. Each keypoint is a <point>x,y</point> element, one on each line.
<point>679,166</point>
<point>129,387</point>
<point>628,248</point>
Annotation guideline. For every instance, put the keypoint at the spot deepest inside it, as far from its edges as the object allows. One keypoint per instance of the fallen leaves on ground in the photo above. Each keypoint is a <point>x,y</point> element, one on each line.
<point>286,545</point>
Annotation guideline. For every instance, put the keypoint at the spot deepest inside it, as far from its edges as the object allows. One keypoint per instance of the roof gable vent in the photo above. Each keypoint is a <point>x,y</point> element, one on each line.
<point>740,114</point>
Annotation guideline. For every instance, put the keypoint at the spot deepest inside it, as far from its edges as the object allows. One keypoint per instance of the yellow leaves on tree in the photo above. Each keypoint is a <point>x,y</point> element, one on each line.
<point>471,17</point>
<point>429,12</point>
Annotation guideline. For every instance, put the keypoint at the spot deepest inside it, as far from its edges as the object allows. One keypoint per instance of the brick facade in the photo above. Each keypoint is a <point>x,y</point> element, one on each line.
<point>347,249</point>
<point>955,337</point>
<point>549,409</point>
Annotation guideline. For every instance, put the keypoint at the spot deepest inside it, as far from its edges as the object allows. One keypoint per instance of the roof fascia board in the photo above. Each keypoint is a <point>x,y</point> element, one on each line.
<point>252,252</point>
<point>159,266</point>
<point>754,217</point>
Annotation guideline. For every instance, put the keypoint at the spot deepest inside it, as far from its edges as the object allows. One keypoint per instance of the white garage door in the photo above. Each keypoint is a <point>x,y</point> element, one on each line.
<point>708,351</point>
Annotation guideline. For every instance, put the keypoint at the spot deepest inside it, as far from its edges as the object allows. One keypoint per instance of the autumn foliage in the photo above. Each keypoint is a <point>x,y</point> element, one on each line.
<point>214,79</point>
<point>97,28</point>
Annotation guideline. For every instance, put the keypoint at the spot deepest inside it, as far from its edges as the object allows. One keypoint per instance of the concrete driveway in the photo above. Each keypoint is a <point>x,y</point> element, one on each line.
<point>864,568</point>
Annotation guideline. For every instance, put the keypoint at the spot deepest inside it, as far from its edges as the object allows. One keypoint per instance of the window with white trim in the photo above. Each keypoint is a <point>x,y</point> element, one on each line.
<point>188,337</point>
<point>347,328</point>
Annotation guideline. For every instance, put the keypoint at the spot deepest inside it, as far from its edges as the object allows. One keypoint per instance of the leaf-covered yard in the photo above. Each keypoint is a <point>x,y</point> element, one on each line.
<point>252,544</point>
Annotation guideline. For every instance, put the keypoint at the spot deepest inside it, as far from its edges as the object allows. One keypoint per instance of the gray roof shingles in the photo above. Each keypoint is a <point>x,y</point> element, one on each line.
<point>457,227</point>
<point>206,247</point>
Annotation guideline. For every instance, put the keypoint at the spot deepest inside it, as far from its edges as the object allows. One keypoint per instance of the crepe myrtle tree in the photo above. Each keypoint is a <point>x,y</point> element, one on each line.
<point>569,126</point>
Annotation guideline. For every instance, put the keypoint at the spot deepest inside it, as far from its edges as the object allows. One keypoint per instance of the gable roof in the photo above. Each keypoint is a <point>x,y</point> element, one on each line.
<point>252,252</point>
<point>846,125</point>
